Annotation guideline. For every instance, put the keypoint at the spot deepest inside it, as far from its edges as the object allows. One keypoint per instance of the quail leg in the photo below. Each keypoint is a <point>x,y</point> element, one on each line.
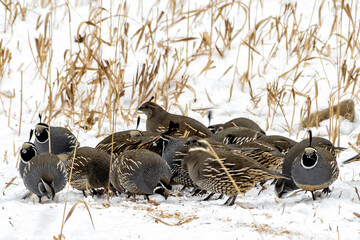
<point>209,197</point>
<point>84,193</point>
<point>326,191</point>
<point>262,187</point>
<point>313,195</point>
<point>230,201</point>
<point>197,191</point>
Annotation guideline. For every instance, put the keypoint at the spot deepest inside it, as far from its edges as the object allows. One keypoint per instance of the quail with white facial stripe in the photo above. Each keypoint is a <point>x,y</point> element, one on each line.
<point>312,165</point>
<point>61,139</point>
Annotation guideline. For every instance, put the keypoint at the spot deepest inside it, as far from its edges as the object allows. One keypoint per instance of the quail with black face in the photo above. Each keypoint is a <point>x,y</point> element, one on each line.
<point>312,165</point>
<point>61,140</point>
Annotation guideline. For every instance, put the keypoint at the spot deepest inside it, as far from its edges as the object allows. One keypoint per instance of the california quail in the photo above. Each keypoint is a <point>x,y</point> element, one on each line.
<point>120,141</point>
<point>91,169</point>
<point>208,174</point>
<point>237,122</point>
<point>62,141</point>
<point>236,135</point>
<point>135,139</point>
<point>311,166</point>
<point>264,153</point>
<point>174,152</point>
<point>141,172</point>
<point>284,144</point>
<point>158,120</point>
<point>45,175</point>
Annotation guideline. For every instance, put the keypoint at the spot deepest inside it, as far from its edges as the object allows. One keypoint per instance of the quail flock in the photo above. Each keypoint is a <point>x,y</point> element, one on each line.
<point>227,159</point>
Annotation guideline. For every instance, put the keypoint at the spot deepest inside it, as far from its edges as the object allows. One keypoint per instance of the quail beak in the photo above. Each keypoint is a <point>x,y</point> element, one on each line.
<point>50,192</point>
<point>162,190</point>
<point>339,149</point>
<point>167,193</point>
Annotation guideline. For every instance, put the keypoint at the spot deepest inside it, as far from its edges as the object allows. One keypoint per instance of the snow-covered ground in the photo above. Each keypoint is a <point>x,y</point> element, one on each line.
<point>296,52</point>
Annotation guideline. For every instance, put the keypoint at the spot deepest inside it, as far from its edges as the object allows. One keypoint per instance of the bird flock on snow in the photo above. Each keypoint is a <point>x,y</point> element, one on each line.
<point>226,159</point>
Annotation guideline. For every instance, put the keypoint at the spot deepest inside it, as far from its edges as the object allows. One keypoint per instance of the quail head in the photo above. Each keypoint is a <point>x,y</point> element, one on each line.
<point>205,167</point>
<point>90,169</point>
<point>158,120</point>
<point>62,141</point>
<point>141,172</point>
<point>45,175</point>
<point>311,166</point>
<point>27,152</point>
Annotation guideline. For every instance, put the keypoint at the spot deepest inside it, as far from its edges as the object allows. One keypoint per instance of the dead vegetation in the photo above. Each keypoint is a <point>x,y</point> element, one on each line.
<point>92,85</point>
<point>115,61</point>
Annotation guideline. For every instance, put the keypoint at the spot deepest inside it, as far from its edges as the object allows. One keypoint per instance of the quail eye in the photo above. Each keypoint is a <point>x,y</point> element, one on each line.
<point>146,107</point>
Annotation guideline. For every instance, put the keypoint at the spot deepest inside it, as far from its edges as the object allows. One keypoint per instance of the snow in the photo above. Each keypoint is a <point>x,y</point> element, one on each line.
<point>183,216</point>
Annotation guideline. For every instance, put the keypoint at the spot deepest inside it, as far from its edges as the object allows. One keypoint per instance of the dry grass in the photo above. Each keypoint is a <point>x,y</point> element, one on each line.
<point>97,82</point>
<point>92,87</point>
